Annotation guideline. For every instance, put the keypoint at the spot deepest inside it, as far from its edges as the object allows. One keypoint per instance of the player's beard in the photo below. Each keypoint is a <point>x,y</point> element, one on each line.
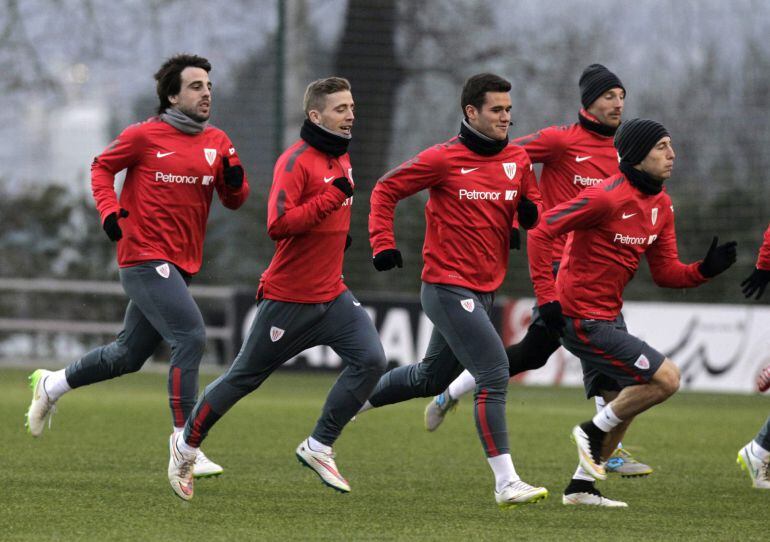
<point>195,116</point>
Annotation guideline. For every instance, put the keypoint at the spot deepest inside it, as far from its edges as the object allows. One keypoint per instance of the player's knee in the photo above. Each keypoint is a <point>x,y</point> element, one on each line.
<point>667,378</point>
<point>191,344</point>
<point>120,359</point>
<point>374,363</point>
<point>494,378</point>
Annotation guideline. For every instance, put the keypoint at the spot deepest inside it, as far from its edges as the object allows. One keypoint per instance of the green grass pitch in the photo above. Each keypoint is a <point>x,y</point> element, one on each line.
<point>100,472</point>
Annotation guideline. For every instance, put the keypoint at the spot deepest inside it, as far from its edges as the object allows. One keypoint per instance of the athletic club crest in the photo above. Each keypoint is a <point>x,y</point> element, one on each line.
<point>642,363</point>
<point>510,169</point>
<point>468,304</point>
<point>211,155</point>
<point>654,215</point>
<point>163,270</point>
<point>276,333</point>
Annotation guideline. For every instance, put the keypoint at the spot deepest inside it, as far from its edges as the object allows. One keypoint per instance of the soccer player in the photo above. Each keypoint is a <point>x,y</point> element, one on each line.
<point>612,225</point>
<point>574,157</point>
<point>174,161</point>
<point>754,458</point>
<point>477,182</point>
<point>303,301</point>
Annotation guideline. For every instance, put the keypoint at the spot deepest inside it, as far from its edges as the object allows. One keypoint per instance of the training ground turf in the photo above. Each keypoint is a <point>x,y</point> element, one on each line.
<point>100,472</point>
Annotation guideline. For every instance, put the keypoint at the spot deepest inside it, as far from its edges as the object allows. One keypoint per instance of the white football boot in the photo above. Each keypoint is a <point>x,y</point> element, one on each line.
<point>437,409</point>
<point>519,493</point>
<point>41,407</point>
<point>205,467</point>
<point>180,468</point>
<point>758,470</point>
<point>586,453</point>
<point>324,466</point>
<point>593,498</point>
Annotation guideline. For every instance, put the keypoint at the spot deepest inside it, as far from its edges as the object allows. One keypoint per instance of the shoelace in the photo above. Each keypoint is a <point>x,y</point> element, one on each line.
<point>51,412</point>
<point>185,465</point>
<point>52,404</point>
<point>518,485</point>
<point>764,470</point>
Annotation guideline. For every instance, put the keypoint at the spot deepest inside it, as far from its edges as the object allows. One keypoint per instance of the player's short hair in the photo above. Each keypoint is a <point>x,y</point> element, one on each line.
<point>476,87</point>
<point>169,76</point>
<point>317,91</point>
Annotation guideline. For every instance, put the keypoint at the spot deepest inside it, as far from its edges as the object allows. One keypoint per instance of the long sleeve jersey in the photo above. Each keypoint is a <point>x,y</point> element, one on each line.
<point>469,214</point>
<point>612,225</point>
<point>169,183</point>
<point>763,261</point>
<point>573,159</point>
<point>308,218</point>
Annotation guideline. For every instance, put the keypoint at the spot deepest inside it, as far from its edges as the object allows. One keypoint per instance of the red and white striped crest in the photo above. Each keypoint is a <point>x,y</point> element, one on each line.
<point>163,270</point>
<point>276,333</point>
<point>510,169</point>
<point>211,155</point>
<point>654,215</point>
<point>468,304</point>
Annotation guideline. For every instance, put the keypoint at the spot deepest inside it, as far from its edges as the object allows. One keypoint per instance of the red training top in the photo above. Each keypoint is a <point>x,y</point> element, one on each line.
<point>613,224</point>
<point>763,261</point>
<point>170,179</point>
<point>573,158</point>
<point>309,219</point>
<point>469,215</point>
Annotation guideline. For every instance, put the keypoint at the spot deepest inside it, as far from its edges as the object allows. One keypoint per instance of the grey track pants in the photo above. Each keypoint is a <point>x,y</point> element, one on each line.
<point>282,330</point>
<point>160,308</point>
<point>464,337</point>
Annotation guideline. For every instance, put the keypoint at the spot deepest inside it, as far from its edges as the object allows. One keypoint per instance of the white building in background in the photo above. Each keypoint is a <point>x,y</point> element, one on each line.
<point>59,141</point>
<point>77,133</point>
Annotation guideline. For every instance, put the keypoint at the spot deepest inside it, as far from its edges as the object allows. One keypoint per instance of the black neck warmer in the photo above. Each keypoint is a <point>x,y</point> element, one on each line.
<point>324,140</point>
<point>596,127</point>
<point>478,142</point>
<point>640,179</point>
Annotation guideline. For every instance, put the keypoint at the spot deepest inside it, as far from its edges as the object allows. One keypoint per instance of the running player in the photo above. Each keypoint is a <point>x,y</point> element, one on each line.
<point>174,163</point>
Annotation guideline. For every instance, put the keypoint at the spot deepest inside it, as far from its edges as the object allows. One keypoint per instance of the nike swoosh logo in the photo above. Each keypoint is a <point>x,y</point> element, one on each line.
<point>625,216</point>
<point>356,304</point>
<point>328,179</point>
<point>581,158</point>
<point>164,154</point>
<point>465,171</point>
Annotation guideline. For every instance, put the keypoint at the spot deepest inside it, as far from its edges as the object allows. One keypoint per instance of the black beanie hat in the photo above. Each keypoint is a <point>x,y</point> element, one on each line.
<point>636,137</point>
<point>595,81</point>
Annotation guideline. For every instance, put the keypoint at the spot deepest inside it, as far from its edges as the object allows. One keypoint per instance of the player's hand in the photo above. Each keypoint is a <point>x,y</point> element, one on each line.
<point>343,185</point>
<point>763,379</point>
<point>514,242</point>
<point>111,226</point>
<point>756,282</point>
<point>233,175</point>
<point>348,242</point>
<point>388,259</point>
<point>527,213</point>
<point>718,258</point>
<point>552,317</point>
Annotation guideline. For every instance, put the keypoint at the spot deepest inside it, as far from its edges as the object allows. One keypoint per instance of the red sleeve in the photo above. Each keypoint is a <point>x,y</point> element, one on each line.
<point>584,212</point>
<point>544,146</point>
<point>663,260</point>
<point>287,215</point>
<point>123,152</point>
<point>423,171</point>
<point>530,190</point>
<point>763,261</point>
<point>232,198</point>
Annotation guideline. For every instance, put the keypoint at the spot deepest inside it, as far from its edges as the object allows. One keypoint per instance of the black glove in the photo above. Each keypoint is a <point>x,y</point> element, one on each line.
<point>348,242</point>
<point>388,259</point>
<point>718,258</point>
<point>111,226</point>
<point>527,212</point>
<point>514,243</point>
<point>757,281</point>
<point>233,175</point>
<point>344,185</point>
<point>552,316</point>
